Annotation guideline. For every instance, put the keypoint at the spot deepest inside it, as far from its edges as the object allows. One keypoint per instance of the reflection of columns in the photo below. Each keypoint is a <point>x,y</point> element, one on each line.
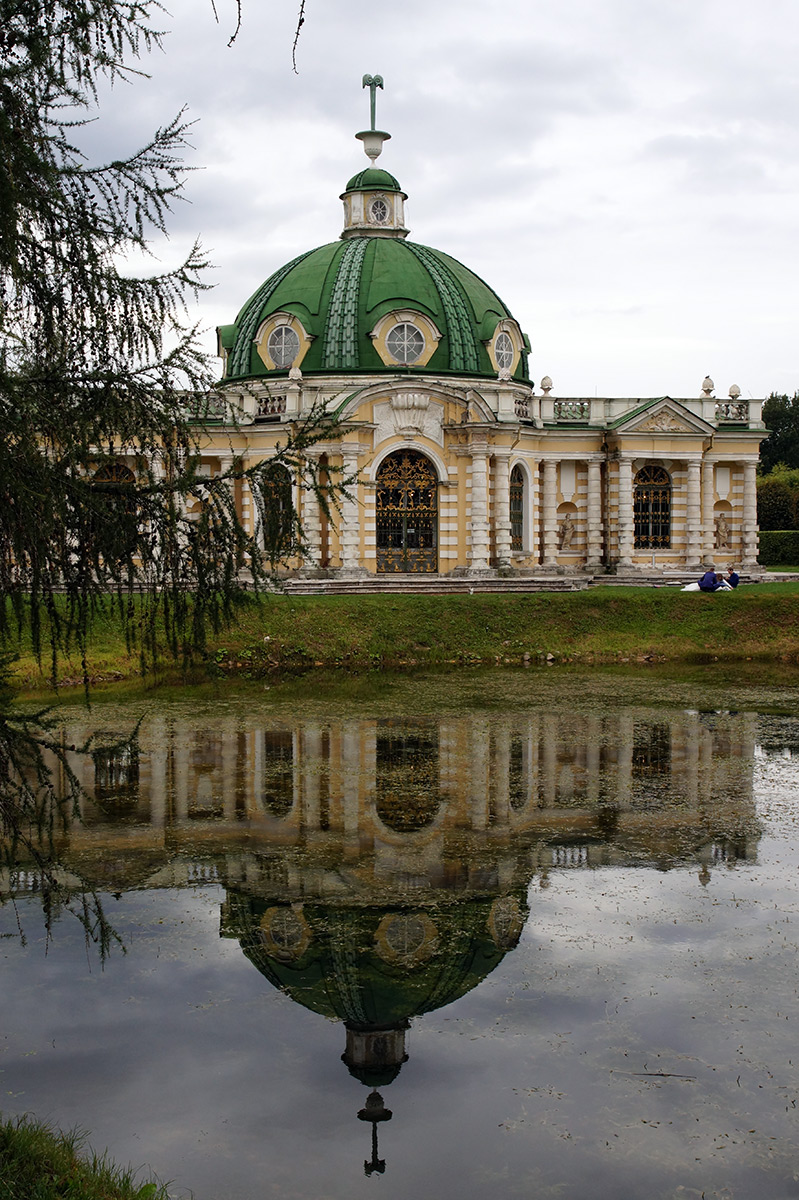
<point>350,780</point>
<point>750,516</point>
<point>502,509</point>
<point>693,548</point>
<point>312,776</point>
<point>593,732</point>
<point>625,735</point>
<point>708,527</point>
<point>550,521</point>
<point>626,527</point>
<point>594,526</point>
<point>479,774</point>
<point>233,760</point>
<point>478,553</point>
<point>500,776</point>
<point>350,528</point>
<point>549,757</point>
<point>311,517</point>
<point>692,734</point>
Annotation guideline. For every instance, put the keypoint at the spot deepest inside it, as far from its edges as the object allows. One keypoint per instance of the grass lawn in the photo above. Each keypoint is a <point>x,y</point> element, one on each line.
<point>280,635</point>
<point>39,1163</point>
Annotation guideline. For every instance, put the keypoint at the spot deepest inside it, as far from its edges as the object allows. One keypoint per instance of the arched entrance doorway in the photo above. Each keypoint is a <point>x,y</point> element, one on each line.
<point>407,513</point>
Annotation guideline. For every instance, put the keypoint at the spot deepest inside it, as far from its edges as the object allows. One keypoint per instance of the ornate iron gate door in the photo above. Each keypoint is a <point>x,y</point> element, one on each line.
<point>407,513</point>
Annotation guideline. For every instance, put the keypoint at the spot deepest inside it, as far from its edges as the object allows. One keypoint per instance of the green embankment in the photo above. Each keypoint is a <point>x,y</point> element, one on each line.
<point>286,635</point>
<point>39,1163</point>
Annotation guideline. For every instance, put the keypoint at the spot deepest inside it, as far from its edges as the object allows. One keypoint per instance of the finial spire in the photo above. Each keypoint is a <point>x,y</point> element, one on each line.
<point>373,82</point>
<point>373,138</point>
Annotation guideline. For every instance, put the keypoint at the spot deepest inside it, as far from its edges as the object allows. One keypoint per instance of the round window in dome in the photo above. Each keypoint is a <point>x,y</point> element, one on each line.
<point>283,346</point>
<point>378,210</point>
<point>405,343</point>
<point>503,352</point>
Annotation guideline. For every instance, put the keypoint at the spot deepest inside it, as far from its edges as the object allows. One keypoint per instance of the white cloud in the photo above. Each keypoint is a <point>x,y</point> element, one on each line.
<point>624,175</point>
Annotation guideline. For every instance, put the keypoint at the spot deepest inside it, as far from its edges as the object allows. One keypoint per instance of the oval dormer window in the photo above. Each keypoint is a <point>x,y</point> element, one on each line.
<point>503,352</point>
<point>283,346</point>
<point>405,343</point>
<point>378,211</point>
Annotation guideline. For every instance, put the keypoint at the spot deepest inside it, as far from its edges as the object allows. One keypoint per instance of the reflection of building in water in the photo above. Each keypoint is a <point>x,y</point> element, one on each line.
<point>422,801</point>
<point>376,870</point>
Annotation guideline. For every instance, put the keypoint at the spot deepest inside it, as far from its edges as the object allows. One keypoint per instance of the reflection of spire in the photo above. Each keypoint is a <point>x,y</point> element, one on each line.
<point>374,1111</point>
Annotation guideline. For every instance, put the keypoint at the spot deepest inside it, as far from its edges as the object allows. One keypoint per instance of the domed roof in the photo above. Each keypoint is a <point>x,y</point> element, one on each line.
<point>373,177</point>
<point>339,293</point>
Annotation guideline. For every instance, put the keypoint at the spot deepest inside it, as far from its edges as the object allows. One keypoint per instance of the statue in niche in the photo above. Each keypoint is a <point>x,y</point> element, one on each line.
<point>566,531</point>
<point>722,532</point>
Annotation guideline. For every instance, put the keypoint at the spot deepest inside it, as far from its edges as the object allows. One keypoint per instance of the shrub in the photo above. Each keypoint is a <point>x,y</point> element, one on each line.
<point>779,547</point>
<point>775,505</point>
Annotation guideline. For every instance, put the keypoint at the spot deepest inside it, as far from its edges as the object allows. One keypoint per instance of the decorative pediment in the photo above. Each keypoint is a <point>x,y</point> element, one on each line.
<point>665,416</point>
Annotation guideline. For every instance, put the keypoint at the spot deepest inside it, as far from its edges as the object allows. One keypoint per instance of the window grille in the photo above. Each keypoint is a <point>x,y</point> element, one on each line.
<point>652,509</point>
<point>517,509</point>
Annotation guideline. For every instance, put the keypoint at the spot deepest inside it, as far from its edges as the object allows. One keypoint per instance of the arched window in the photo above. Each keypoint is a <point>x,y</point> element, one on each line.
<point>406,509</point>
<point>652,509</point>
<point>115,513</point>
<point>276,513</point>
<point>517,509</point>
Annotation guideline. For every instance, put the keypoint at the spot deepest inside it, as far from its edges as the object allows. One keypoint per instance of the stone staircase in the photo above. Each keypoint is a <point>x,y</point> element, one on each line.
<point>431,585</point>
<point>447,585</point>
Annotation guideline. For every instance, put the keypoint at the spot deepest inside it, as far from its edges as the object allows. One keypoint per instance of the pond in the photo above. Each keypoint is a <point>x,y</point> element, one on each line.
<point>532,934</point>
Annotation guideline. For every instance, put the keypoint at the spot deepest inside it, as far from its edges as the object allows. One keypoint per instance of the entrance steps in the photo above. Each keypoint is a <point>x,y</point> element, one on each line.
<point>447,585</point>
<point>430,585</point>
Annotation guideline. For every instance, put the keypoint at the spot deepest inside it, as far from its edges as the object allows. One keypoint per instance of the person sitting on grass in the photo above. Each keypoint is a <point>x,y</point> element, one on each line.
<point>733,578</point>
<point>710,581</point>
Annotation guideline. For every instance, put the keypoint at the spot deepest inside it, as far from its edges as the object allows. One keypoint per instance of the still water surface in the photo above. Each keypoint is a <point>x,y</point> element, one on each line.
<point>537,943</point>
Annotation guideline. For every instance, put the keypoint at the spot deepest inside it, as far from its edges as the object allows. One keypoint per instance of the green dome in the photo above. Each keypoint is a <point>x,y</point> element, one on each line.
<point>340,291</point>
<point>373,177</point>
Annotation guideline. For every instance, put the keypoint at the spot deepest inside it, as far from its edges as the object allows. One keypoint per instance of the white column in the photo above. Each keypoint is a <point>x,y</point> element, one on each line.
<point>502,507</point>
<point>750,516</point>
<point>693,549</point>
<point>594,525</point>
<point>531,515</point>
<point>708,527</point>
<point>626,527</point>
<point>311,519</point>
<point>350,527</point>
<point>550,505</point>
<point>478,553</point>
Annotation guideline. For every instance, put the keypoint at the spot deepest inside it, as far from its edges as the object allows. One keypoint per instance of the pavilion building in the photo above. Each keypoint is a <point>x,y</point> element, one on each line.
<point>463,466</point>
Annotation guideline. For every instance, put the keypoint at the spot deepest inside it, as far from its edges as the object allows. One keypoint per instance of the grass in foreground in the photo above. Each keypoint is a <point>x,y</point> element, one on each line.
<point>39,1163</point>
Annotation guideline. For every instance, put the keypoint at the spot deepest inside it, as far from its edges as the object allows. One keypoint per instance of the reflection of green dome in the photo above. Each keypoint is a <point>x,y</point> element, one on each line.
<point>373,177</point>
<point>373,968</point>
<point>340,291</point>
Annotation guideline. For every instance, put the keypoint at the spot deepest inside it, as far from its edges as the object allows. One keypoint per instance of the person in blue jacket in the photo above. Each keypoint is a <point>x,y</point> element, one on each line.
<point>733,578</point>
<point>710,581</point>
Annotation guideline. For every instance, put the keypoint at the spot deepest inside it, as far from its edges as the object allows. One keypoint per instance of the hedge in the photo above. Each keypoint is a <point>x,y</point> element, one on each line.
<point>776,505</point>
<point>779,547</point>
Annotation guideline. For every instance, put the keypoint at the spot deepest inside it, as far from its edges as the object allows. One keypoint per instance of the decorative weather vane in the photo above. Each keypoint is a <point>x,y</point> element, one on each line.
<point>373,82</point>
<point>373,138</point>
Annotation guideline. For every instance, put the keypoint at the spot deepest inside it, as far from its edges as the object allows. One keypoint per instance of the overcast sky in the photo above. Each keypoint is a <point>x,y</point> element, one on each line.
<point>624,174</point>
